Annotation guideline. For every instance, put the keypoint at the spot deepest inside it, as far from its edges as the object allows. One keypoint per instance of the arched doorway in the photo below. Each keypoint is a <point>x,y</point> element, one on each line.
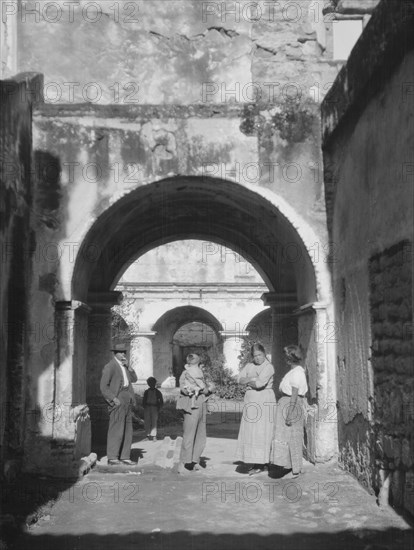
<point>169,324</point>
<point>228,214</point>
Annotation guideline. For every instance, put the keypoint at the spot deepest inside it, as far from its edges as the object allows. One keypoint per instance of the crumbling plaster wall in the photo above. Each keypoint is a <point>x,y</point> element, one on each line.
<point>17,208</point>
<point>102,156</point>
<point>368,162</point>
<point>169,50</point>
<point>174,97</point>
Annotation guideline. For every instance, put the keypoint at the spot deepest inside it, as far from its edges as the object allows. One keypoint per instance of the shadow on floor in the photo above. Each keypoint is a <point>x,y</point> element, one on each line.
<point>391,539</point>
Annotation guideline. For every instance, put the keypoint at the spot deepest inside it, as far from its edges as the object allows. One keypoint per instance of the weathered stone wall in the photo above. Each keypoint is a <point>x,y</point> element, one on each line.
<point>368,135</point>
<point>16,210</point>
<point>391,297</point>
<point>168,93</point>
<point>178,51</point>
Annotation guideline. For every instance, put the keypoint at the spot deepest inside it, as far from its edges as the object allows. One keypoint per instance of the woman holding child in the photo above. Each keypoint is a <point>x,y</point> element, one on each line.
<point>194,392</point>
<point>256,428</point>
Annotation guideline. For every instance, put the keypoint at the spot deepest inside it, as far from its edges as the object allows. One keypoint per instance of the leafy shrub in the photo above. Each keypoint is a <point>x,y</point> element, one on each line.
<point>226,384</point>
<point>168,416</point>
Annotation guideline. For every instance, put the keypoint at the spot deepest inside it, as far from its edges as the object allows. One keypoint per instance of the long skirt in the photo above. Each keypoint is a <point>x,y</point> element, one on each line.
<point>256,427</point>
<point>287,445</point>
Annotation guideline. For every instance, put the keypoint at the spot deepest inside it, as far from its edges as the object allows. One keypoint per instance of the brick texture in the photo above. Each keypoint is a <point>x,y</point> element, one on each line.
<point>392,360</point>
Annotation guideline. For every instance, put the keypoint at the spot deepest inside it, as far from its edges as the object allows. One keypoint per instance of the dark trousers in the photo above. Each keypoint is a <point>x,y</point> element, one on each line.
<point>194,436</point>
<point>119,440</point>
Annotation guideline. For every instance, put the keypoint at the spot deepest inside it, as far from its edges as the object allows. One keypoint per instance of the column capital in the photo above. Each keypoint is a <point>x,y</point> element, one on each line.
<point>233,333</point>
<point>144,333</point>
<point>280,302</point>
<point>312,306</point>
<point>72,305</point>
<point>103,301</point>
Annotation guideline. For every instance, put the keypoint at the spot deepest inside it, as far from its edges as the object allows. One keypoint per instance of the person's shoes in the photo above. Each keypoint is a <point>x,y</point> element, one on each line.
<point>256,470</point>
<point>114,462</point>
<point>291,475</point>
<point>198,468</point>
<point>182,469</point>
<point>128,461</point>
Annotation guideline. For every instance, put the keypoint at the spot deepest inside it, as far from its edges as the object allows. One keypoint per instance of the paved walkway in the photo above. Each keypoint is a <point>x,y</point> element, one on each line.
<point>153,507</point>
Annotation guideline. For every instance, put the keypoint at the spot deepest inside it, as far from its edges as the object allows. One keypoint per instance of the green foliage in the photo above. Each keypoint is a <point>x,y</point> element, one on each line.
<point>120,331</point>
<point>226,384</point>
<point>168,416</point>
<point>245,356</point>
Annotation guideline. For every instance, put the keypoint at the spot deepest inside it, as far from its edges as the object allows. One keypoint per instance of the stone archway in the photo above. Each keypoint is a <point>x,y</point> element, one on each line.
<point>190,336</point>
<point>247,219</point>
<point>168,324</point>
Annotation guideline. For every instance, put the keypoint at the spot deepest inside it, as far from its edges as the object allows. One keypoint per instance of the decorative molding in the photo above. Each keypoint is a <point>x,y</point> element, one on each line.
<point>72,305</point>
<point>281,303</point>
<point>104,300</point>
<point>233,333</point>
<point>308,308</point>
<point>147,334</point>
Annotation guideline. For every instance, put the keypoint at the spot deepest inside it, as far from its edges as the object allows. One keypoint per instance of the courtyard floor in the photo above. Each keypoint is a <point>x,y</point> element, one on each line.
<point>151,506</point>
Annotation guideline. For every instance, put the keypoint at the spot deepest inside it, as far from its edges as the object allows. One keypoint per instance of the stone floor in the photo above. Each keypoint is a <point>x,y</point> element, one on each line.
<point>151,506</point>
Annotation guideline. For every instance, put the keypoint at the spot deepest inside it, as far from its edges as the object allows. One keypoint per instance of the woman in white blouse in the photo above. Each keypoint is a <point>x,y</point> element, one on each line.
<point>288,437</point>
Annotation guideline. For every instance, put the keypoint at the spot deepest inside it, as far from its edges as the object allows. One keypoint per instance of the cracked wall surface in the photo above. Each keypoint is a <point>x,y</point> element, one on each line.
<point>16,208</point>
<point>177,52</point>
<point>153,92</point>
<point>369,184</point>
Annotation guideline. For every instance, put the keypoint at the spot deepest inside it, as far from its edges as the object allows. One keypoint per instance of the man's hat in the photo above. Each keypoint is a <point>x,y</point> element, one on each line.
<point>118,347</point>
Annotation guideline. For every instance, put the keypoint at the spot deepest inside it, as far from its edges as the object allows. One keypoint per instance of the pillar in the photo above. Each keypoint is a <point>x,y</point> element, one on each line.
<point>232,341</point>
<point>141,355</point>
<point>281,306</point>
<point>99,354</point>
<point>66,418</point>
<point>317,335</point>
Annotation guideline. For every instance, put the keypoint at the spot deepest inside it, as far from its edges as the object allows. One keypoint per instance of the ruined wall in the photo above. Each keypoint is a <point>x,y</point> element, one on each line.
<point>167,52</point>
<point>270,57</point>
<point>16,249</point>
<point>391,300</point>
<point>368,164</point>
<point>134,97</point>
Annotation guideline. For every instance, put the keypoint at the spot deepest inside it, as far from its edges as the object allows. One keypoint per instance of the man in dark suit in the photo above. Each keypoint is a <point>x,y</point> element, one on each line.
<point>116,387</point>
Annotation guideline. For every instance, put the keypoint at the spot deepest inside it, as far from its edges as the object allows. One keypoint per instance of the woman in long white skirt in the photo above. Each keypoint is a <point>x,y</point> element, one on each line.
<point>257,424</point>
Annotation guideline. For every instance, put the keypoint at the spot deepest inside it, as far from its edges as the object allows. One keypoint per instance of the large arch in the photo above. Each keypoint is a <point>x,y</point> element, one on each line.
<point>251,220</point>
<point>266,231</point>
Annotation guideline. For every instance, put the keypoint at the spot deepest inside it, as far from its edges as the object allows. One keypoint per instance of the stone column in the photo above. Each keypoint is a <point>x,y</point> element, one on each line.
<point>69,413</point>
<point>232,341</point>
<point>317,336</point>
<point>142,357</point>
<point>281,306</point>
<point>99,354</point>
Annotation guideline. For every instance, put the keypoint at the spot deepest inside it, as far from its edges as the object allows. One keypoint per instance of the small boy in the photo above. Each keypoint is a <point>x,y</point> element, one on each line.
<point>152,403</point>
<point>194,382</point>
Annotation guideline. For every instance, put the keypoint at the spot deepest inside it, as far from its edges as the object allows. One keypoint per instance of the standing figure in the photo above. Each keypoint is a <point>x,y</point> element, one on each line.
<point>256,427</point>
<point>152,403</point>
<point>194,427</point>
<point>116,388</point>
<point>290,413</point>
